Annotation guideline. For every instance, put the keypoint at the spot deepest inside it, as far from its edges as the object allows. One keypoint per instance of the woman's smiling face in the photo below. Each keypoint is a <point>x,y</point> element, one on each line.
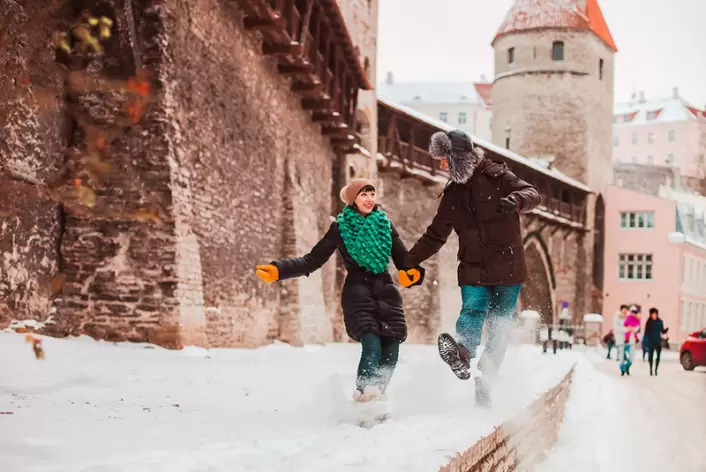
<point>365,201</point>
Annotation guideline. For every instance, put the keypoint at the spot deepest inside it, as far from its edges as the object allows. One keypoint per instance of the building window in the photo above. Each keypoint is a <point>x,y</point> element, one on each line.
<point>634,138</point>
<point>558,51</point>
<point>462,117</point>
<point>671,135</point>
<point>652,115</point>
<point>443,116</point>
<point>670,159</point>
<point>511,55</point>
<point>637,219</point>
<point>534,53</point>
<point>650,138</point>
<point>616,141</point>
<point>635,267</point>
<point>634,159</point>
<point>650,160</point>
<point>615,119</point>
<point>600,69</point>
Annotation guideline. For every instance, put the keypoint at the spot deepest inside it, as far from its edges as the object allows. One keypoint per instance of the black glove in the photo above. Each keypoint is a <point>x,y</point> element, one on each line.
<point>507,205</point>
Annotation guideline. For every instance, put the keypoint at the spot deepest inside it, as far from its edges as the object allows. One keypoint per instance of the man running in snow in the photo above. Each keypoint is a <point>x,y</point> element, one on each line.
<point>481,203</point>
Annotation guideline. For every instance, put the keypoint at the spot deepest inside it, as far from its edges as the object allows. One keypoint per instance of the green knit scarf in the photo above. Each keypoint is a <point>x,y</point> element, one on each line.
<point>367,239</point>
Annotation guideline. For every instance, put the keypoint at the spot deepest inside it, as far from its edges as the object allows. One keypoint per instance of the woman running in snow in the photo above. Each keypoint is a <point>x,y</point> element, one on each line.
<point>372,306</point>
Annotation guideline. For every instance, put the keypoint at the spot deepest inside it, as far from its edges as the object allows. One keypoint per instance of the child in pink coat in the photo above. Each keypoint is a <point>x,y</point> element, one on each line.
<point>632,323</point>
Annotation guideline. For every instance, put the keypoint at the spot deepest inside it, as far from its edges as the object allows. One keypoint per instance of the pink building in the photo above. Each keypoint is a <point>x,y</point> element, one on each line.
<point>664,132</point>
<point>655,256</point>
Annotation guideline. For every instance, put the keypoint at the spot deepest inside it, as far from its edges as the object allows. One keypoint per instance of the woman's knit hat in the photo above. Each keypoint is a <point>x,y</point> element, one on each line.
<point>351,191</point>
<point>462,155</point>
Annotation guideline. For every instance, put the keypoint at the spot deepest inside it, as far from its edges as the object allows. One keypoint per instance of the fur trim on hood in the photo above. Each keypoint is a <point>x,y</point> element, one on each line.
<point>458,149</point>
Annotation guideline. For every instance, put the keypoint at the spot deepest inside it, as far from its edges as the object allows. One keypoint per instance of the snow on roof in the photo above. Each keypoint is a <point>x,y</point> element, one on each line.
<point>663,110</point>
<point>537,14</point>
<point>429,92</point>
<point>553,173</point>
<point>592,318</point>
<point>530,314</point>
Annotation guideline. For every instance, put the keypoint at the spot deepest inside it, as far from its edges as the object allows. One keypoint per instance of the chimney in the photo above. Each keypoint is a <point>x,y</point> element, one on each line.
<point>389,78</point>
<point>675,92</point>
<point>642,97</point>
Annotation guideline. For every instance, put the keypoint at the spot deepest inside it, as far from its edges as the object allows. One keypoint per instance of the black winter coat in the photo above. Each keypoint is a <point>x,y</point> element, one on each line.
<point>490,243</point>
<point>371,303</point>
<point>654,329</point>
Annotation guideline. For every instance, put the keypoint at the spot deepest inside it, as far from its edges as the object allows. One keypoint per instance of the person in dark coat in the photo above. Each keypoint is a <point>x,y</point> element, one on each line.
<point>609,341</point>
<point>654,329</point>
<point>481,204</point>
<point>372,306</point>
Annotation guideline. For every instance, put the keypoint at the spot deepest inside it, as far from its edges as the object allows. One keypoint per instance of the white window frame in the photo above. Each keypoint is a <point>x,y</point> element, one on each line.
<point>641,264</point>
<point>444,116</point>
<point>634,218</point>
<point>464,115</point>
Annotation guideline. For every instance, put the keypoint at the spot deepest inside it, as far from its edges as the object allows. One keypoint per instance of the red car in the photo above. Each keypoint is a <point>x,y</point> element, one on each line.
<point>693,351</point>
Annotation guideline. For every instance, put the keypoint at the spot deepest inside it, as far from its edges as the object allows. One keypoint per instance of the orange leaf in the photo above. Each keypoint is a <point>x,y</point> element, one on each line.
<point>147,214</point>
<point>57,284</point>
<point>86,196</point>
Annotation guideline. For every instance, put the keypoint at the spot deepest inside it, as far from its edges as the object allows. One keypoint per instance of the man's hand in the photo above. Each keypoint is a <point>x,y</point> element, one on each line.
<point>409,277</point>
<point>507,205</point>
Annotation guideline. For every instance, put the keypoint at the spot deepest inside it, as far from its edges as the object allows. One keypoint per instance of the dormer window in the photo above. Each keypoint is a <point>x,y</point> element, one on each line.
<point>511,55</point>
<point>558,51</point>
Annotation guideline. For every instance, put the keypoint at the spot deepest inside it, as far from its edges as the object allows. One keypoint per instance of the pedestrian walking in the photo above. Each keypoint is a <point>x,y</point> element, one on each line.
<point>609,341</point>
<point>654,329</point>
<point>481,204</point>
<point>619,330</point>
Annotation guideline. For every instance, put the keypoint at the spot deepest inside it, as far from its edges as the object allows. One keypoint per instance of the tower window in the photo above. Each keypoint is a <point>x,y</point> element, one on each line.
<point>534,53</point>
<point>511,55</point>
<point>600,69</point>
<point>558,50</point>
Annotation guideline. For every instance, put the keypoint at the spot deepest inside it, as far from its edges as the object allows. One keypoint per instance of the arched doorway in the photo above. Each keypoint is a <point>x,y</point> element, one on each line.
<point>538,291</point>
<point>598,263</point>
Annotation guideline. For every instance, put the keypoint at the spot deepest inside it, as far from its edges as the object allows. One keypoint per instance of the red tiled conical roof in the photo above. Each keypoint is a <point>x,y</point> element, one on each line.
<point>539,14</point>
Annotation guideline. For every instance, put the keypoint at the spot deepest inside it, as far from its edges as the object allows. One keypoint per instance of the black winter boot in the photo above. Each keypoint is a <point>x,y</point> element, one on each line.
<point>455,355</point>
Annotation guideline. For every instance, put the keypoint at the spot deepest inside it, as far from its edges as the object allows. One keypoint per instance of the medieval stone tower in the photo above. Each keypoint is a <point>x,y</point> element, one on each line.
<point>553,87</point>
<point>553,99</point>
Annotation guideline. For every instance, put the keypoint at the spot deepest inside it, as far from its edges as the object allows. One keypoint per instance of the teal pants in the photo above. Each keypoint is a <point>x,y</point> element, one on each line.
<point>377,361</point>
<point>497,305</point>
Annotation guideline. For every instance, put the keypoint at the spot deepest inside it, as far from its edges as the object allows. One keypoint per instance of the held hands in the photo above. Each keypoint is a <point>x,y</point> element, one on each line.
<point>409,277</point>
<point>507,205</point>
<point>268,273</point>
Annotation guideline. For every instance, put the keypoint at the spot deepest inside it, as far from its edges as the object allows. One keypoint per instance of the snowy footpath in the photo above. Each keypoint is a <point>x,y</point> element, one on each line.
<point>102,407</point>
<point>632,424</point>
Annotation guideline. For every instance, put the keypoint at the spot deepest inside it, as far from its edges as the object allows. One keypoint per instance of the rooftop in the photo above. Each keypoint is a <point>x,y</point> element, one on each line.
<point>526,15</point>
<point>505,153</point>
<point>429,92</point>
<point>663,110</point>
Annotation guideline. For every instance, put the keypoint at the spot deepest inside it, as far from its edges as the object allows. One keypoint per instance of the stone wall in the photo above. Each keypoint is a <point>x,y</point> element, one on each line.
<point>237,170</point>
<point>33,136</point>
<point>259,172</point>
<point>523,441</point>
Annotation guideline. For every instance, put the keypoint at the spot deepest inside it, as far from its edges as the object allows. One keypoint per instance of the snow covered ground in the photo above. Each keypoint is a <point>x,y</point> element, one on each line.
<point>101,407</point>
<point>632,424</point>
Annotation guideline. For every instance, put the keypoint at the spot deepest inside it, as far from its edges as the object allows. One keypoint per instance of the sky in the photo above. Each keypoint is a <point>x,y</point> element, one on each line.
<point>661,43</point>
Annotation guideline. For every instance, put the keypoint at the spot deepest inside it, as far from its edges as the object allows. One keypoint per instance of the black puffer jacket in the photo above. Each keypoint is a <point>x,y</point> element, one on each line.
<point>371,303</point>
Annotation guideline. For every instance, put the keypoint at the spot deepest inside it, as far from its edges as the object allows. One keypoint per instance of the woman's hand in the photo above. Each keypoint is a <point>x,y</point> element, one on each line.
<point>268,273</point>
<point>409,277</point>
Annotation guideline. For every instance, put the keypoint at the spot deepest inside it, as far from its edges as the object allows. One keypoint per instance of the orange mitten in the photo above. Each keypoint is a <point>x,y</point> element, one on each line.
<point>269,273</point>
<point>409,277</point>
